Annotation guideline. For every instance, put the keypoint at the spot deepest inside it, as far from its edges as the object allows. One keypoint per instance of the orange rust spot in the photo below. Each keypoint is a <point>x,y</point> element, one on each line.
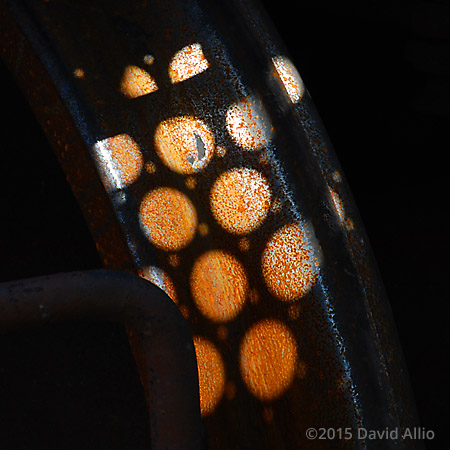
<point>211,374</point>
<point>294,311</point>
<point>338,204</point>
<point>268,355</point>
<point>187,62</point>
<point>190,182</point>
<point>168,218</point>
<point>136,82</point>
<point>203,229</point>
<point>289,77</point>
<point>263,159</point>
<point>240,200</point>
<point>253,296</point>
<point>286,264</point>
<point>277,205</point>
<point>79,73</point>
<point>219,285</point>
<point>221,151</point>
<point>124,156</point>
<point>149,59</point>
<point>248,125</point>
<point>157,276</point>
<point>244,244</point>
<point>184,144</point>
<point>150,167</point>
<point>174,260</point>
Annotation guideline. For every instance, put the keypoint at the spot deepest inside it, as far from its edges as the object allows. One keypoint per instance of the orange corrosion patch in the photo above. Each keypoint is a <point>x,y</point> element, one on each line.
<point>221,151</point>
<point>168,218</point>
<point>340,210</point>
<point>240,200</point>
<point>150,167</point>
<point>160,278</point>
<point>124,157</point>
<point>187,62</point>
<point>244,244</point>
<point>136,82</point>
<point>268,358</point>
<point>78,73</point>
<point>184,144</point>
<point>203,229</point>
<point>286,264</point>
<point>289,76</point>
<point>248,125</point>
<point>211,375</point>
<point>219,285</point>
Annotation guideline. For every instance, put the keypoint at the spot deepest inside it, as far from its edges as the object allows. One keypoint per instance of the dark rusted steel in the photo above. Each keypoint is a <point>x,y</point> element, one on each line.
<point>201,164</point>
<point>162,342</point>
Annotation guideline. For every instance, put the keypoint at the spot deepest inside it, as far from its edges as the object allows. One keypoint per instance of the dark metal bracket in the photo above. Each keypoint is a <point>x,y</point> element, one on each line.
<point>161,339</point>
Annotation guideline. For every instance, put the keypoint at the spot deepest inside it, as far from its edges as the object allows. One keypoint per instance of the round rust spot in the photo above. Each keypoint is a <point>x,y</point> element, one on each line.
<point>268,356</point>
<point>168,219</point>
<point>123,158</point>
<point>187,62</point>
<point>286,264</point>
<point>184,144</point>
<point>290,78</point>
<point>211,374</point>
<point>240,200</point>
<point>248,125</point>
<point>136,82</point>
<point>219,285</point>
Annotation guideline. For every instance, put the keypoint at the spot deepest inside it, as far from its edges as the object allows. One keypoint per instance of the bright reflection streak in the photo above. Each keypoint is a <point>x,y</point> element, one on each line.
<point>160,278</point>
<point>168,218</point>
<point>211,374</point>
<point>187,62</point>
<point>339,207</point>
<point>248,124</point>
<point>290,78</point>
<point>136,82</point>
<point>287,265</point>
<point>268,356</point>
<point>219,285</point>
<point>240,200</point>
<point>184,144</point>
<point>122,158</point>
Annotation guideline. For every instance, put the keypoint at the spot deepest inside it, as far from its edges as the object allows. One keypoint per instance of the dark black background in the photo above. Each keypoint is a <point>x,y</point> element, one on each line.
<point>379,73</point>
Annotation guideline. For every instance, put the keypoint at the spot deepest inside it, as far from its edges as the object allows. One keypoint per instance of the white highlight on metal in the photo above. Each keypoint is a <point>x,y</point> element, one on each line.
<point>290,78</point>
<point>107,165</point>
<point>248,124</point>
<point>187,62</point>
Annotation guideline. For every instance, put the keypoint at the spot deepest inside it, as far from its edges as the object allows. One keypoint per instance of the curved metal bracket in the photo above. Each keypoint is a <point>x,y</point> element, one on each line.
<point>163,345</point>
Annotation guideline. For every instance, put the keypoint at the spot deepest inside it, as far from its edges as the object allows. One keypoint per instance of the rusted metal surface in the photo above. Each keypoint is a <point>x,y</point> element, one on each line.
<point>162,342</point>
<point>220,185</point>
